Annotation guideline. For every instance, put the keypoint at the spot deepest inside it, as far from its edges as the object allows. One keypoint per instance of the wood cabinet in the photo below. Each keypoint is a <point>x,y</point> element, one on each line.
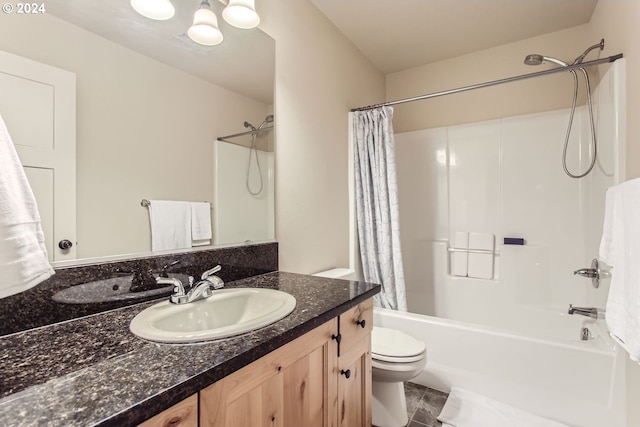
<point>321,379</point>
<point>183,414</point>
<point>287,387</point>
<point>354,367</point>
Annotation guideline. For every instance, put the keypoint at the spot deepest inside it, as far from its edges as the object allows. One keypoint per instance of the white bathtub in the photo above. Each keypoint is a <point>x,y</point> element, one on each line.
<point>550,372</point>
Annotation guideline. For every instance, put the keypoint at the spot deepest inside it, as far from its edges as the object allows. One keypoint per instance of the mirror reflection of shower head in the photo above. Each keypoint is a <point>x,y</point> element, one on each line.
<point>536,59</point>
<point>268,119</point>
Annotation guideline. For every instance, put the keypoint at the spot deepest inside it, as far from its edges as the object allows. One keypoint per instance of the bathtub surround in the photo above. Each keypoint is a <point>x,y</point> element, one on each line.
<point>377,205</point>
<point>35,307</point>
<point>505,177</point>
<point>238,215</point>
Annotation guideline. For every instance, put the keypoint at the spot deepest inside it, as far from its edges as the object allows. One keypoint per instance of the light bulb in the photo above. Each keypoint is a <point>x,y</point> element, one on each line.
<point>159,10</point>
<point>241,14</point>
<point>205,29</point>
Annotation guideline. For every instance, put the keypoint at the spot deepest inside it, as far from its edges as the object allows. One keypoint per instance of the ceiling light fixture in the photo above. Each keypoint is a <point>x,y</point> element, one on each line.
<point>205,29</point>
<point>241,14</point>
<point>159,10</point>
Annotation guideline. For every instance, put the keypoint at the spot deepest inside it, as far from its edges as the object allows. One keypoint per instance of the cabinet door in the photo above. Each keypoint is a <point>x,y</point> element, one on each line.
<point>183,414</point>
<point>354,384</point>
<point>288,387</point>
<point>355,324</point>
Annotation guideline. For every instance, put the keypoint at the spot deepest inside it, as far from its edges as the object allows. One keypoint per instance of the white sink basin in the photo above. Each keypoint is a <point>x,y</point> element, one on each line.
<point>226,313</point>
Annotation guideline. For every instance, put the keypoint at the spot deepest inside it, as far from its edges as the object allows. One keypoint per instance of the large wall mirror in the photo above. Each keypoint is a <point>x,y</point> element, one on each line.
<point>150,106</point>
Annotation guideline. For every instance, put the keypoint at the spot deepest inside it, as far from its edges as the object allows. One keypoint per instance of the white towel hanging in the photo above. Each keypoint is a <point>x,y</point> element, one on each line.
<point>200,223</point>
<point>170,225</point>
<point>620,248</point>
<point>23,257</point>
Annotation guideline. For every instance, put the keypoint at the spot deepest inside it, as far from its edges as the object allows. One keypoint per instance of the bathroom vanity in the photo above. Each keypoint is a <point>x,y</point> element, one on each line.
<point>303,383</point>
<point>309,368</point>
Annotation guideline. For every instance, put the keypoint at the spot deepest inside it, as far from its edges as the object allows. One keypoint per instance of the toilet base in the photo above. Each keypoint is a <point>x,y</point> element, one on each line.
<point>388,404</point>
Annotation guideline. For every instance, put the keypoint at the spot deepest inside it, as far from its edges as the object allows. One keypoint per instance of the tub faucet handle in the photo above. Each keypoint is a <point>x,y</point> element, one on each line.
<point>587,272</point>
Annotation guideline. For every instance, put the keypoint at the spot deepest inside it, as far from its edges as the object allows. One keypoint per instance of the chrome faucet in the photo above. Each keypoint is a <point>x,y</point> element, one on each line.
<point>202,289</point>
<point>584,311</point>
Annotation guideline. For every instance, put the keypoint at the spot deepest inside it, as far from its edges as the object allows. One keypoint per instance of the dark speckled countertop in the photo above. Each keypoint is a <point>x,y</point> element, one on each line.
<point>94,371</point>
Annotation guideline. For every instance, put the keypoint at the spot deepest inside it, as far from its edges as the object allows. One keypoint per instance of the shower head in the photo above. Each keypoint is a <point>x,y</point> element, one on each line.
<point>268,119</point>
<point>536,59</point>
<point>580,58</point>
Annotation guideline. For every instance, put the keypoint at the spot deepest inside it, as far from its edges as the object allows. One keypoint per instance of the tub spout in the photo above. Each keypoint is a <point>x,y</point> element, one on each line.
<point>584,311</point>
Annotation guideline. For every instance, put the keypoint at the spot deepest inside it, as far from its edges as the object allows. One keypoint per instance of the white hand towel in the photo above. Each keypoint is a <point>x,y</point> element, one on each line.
<point>23,257</point>
<point>464,408</point>
<point>460,260</point>
<point>481,264</point>
<point>170,225</point>
<point>620,248</point>
<point>200,223</point>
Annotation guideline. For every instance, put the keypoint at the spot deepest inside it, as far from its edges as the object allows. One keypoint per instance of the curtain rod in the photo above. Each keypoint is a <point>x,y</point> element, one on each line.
<point>494,82</point>
<point>249,132</point>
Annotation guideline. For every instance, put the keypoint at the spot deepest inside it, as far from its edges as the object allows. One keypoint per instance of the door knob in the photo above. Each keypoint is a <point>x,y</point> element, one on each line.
<point>362,323</point>
<point>65,244</point>
<point>346,373</point>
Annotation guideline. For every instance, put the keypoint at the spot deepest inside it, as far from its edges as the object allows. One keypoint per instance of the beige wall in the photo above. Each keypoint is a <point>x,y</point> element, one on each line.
<point>144,130</point>
<point>320,75</point>
<point>618,22</point>
<point>523,97</point>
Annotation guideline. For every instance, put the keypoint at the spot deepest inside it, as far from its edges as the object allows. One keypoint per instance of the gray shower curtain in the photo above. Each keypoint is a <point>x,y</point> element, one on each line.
<point>377,205</point>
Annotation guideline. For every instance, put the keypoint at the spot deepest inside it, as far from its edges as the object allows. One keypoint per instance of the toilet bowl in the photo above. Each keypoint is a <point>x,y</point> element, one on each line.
<point>396,357</point>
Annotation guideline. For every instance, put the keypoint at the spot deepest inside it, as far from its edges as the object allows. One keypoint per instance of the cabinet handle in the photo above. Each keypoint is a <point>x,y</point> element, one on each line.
<point>362,323</point>
<point>346,373</point>
<point>338,338</point>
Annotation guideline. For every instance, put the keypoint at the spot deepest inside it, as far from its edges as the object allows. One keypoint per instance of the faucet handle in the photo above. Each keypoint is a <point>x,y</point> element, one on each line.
<point>178,288</point>
<point>166,267</point>
<point>211,272</point>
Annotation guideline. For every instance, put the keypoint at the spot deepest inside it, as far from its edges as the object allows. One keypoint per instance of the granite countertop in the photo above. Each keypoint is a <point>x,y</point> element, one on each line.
<point>94,372</point>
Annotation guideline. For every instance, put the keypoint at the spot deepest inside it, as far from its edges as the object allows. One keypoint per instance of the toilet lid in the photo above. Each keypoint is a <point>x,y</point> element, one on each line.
<point>393,343</point>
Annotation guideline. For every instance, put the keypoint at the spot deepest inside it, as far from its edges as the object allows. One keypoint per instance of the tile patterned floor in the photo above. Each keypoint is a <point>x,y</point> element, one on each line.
<point>423,405</point>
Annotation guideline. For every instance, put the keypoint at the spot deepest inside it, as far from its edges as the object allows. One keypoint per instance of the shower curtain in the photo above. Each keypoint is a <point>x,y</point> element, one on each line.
<point>377,205</point>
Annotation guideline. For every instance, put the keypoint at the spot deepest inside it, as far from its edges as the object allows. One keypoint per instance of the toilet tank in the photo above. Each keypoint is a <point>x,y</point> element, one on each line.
<point>338,273</point>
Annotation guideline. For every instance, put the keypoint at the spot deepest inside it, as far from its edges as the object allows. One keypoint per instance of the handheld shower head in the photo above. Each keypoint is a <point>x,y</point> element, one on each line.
<point>268,119</point>
<point>533,59</point>
<point>536,59</point>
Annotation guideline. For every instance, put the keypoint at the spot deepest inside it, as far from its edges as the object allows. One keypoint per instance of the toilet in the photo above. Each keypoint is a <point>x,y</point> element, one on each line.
<point>396,357</point>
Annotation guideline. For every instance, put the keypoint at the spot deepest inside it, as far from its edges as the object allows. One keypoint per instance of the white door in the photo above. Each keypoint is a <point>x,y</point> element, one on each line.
<point>38,105</point>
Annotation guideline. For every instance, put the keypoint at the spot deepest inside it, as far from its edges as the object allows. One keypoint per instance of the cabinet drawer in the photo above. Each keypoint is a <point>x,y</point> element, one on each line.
<point>351,327</point>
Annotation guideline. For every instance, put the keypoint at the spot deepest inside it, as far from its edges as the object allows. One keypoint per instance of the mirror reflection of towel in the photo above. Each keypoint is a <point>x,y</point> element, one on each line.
<point>170,225</point>
<point>200,223</point>
<point>23,257</point>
